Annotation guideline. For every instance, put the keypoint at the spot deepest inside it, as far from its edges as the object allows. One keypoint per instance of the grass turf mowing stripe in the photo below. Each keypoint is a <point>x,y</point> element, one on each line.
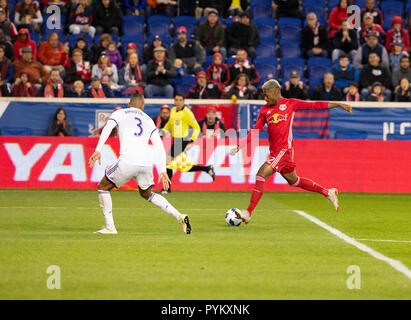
<point>397,265</point>
<point>383,240</point>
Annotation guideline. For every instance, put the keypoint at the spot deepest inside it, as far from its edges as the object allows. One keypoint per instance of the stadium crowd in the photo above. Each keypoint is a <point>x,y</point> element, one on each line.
<point>205,49</point>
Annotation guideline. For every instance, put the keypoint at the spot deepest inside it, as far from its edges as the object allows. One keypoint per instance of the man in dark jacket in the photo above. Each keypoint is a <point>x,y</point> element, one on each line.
<point>345,41</point>
<point>107,17</point>
<point>295,88</point>
<point>189,51</point>
<point>159,74</point>
<point>327,91</point>
<point>375,72</point>
<point>314,38</point>
<point>244,35</point>
<point>241,65</point>
<point>211,34</point>
<point>371,45</point>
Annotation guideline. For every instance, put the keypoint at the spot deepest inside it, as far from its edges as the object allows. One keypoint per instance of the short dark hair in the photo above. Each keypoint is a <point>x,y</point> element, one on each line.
<point>344,55</point>
<point>178,94</point>
<point>136,96</point>
<point>405,57</point>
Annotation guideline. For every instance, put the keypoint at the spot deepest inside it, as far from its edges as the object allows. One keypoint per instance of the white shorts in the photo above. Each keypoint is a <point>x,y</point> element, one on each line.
<point>122,171</point>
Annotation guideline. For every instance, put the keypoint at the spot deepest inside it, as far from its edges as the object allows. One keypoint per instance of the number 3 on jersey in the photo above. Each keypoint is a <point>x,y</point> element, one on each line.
<point>139,125</point>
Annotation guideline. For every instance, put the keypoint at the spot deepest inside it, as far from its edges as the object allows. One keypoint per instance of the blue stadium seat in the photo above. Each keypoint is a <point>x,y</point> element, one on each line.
<point>228,22</point>
<point>360,3</point>
<point>158,24</point>
<point>269,40</point>
<point>318,66</point>
<point>266,50</point>
<point>305,135</point>
<point>318,10</point>
<point>12,7</point>
<point>15,131</point>
<point>289,28</point>
<point>133,25</point>
<point>113,36</point>
<point>189,22</point>
<point>35,37</point>
<point>290,49</point>
<point>390,9</point>
<point>261,11</point>
<point>208,61</point>
<point>72,39</point>
<point>264,3</point>
<point>265,27</point>
<point>351,135</point>
<point>314,82</point>
<point>267,69</point>
<point>184,83</point>
<point>332,4</point>
<point>288,65</point>
<point>307,3</point>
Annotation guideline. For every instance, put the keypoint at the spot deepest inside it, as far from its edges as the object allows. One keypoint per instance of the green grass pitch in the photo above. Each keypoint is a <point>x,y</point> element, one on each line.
<point>279,255</point>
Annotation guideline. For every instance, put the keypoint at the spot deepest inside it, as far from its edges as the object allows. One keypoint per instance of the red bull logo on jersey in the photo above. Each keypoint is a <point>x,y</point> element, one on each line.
<point>277,117</point>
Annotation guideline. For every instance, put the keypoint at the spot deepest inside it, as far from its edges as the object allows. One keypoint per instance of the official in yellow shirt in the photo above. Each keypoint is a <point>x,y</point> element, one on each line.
<point>181,119</point>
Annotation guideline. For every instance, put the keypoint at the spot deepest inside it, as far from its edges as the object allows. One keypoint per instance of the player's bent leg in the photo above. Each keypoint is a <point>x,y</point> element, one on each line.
<point>164,205</point>
<point>295,181</point>
<point>106,205</point>
<point>263,173</point>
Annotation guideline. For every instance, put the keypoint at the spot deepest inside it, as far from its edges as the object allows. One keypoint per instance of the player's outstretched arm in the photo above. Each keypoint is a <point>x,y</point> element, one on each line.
<point>343,106</point>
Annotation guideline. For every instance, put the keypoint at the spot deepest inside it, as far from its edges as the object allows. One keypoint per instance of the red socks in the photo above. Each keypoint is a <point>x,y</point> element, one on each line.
<point>310,185</point>
<point>257,193</point>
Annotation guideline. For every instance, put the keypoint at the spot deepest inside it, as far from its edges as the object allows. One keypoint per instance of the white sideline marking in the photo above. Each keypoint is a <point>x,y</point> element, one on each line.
<point>381,240</point>
<point>97,208</point>
<point>397,265</point>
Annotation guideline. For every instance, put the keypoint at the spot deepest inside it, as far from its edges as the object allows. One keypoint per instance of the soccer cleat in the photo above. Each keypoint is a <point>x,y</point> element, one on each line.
<point>332,197</point>
<point>185,224</point>
<point>211,172</point>
<point>166,191</point>
<point>106,231</point>
<point>244,215</point>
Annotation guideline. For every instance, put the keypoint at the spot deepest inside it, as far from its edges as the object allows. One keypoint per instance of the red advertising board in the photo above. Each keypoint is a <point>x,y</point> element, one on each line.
<point>350,165</point>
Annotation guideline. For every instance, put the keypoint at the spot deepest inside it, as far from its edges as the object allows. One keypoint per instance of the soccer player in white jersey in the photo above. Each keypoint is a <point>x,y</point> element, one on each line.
<point>136,159</point>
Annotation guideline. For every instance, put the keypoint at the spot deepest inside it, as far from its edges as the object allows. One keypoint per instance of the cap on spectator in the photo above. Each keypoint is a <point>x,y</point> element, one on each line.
<point>371,34</point>
<point>103,53</point>
<point>376,84</point>
<point>201,74</point>
<point>95,79</point>
<point>398,42</point>
<point>2,10</point>
<point>244,14</point>
<point>182,29</point>
<point>156,37</point>
<point>131,45</point>
<point>26,49</point>
<point>165,106</point>
<point>211,108</point>
<point>294,74</point>
<point>212,11</point>
<point>159,49</point>
<point>368,14</point>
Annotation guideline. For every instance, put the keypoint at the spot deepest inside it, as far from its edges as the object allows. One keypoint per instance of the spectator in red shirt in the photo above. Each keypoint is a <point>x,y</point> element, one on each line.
<point>397,32</point>
<point>218,71</point>
<point>370,27</point>
<point>79,69</point>
<point>337,15</point>
<point>24,41</point>
<point>23,87</point>
<point>53,54</point>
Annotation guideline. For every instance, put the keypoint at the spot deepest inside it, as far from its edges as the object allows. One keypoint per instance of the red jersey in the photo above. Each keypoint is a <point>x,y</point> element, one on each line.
<point>279,119</point>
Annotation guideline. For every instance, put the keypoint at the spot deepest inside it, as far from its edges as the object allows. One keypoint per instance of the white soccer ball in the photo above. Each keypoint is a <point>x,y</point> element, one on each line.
<point>232,217</point>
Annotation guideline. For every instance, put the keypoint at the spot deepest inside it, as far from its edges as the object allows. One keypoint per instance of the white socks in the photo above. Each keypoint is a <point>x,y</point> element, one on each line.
<point>106,206</point>
<point>164,205</point>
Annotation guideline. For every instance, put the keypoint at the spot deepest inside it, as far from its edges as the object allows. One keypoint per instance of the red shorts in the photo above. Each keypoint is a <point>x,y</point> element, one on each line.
<point>282,161</point>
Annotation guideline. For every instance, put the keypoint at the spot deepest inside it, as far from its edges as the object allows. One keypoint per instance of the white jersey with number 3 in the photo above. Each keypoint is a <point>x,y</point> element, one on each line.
<point>135,130</point>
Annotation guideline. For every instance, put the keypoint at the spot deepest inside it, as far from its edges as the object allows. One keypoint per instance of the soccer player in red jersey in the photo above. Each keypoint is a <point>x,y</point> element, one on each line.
<point>278,114</point>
